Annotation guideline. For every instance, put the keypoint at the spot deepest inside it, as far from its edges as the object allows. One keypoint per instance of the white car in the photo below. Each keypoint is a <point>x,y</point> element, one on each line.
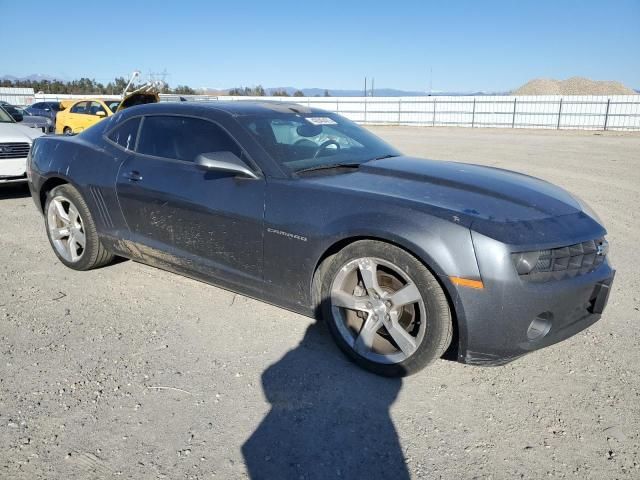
<point>15,143</point>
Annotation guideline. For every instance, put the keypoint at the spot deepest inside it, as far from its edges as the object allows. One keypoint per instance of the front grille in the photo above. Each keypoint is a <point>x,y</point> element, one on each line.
<point>14,150</point>
<point>566,262</point>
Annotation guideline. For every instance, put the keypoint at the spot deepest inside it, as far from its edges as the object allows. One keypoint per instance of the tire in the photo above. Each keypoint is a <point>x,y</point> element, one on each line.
<point>67,131</point>
<point>355,318</point>
<point>74,239</point>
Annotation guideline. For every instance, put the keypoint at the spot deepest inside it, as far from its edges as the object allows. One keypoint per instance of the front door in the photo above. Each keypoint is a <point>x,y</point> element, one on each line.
<point>181,217</point>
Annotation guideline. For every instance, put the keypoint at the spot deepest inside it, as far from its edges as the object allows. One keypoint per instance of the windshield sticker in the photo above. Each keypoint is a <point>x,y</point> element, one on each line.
<point>321,121</point>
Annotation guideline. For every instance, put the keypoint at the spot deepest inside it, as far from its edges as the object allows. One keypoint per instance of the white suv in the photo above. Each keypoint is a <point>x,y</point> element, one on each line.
<point>15,143</point>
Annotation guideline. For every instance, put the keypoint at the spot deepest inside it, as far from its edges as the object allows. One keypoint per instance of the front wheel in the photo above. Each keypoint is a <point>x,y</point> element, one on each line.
<point>72,231</point>
<point>385,309</point>
<point>67,131</point>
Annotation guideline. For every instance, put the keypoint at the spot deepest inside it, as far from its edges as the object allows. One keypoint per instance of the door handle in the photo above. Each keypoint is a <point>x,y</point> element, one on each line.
<point>133,176</point>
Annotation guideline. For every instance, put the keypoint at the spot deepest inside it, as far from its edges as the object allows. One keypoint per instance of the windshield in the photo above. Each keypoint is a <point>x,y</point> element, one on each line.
<point>112,104</point>
<point>5,117</point>
<point>310,141</point>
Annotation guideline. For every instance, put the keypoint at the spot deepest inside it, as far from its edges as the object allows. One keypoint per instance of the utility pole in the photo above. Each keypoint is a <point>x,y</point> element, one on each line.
<point>365,86</point>
<point>372,83</point>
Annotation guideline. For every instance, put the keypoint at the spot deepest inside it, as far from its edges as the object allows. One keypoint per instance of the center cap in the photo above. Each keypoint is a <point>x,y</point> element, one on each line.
<point>379,308</point>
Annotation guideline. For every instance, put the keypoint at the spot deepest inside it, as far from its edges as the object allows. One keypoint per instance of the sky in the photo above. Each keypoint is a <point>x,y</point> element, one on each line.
<point>411,45</point>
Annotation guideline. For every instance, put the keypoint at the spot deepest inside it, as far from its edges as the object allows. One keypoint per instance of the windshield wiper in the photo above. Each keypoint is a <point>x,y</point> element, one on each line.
<point>329,167</point>
<point>382,157</point>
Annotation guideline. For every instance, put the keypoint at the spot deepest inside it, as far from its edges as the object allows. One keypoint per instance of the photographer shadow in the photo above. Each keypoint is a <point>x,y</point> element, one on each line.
<point>328,418</point>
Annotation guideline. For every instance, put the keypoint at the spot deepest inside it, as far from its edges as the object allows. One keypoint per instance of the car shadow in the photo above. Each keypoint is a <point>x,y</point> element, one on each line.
<point>14,190</point>
<point>328,418</point>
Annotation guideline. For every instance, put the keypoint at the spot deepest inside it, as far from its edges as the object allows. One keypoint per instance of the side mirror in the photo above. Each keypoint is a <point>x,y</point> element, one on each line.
<point>224,162</point>
<point>101,113</point>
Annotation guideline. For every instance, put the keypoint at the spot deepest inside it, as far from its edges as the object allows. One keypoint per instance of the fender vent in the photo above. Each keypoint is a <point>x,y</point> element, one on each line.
<point>101,207</point>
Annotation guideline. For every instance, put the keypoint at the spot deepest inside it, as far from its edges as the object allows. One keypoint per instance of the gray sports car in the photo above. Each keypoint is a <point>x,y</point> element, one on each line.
<point>405,259</point>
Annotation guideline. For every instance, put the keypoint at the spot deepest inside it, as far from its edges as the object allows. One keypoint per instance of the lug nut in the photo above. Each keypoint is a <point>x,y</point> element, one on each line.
<point>369,305</point>
<point>388,304</point>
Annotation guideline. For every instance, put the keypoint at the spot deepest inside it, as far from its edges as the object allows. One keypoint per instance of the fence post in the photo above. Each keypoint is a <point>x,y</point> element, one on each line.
<point>473,113</point>
<point>606,114</point>
<point>559,114</point>
<point>513,119</point>
<point>399,109</point>
<point>434,111</point>
<point>365,110</point>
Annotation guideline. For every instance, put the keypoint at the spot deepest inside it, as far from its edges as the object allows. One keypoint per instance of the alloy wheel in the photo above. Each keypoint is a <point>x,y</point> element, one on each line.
<point>66,229</point>
<point>378,310</point>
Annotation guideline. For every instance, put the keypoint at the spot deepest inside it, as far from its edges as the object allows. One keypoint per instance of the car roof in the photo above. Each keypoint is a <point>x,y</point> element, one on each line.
<point>236,107</point>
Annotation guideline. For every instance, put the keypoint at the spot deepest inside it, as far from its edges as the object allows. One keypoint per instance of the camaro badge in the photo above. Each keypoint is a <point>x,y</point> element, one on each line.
<point>287,234</point>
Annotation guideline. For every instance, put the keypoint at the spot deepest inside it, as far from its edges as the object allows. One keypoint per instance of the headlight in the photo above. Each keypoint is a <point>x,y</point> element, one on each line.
<point>586,208</point>
<point>525,261</point>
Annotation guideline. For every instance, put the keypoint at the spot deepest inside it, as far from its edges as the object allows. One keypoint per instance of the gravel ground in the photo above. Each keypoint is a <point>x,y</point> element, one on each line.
<point>133,372</point>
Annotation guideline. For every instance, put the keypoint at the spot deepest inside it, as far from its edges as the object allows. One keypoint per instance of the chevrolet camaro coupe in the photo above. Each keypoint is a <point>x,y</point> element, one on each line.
<point>405,259</point>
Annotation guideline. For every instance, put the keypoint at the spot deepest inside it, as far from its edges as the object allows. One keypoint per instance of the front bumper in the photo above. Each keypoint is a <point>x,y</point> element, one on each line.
<point>13,167</point>
<point>512,316</point>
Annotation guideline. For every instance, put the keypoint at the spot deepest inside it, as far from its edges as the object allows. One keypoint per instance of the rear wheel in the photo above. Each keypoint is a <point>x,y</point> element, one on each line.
<point>67,131</point>
<point>72,231</point>
<point>385,309</point>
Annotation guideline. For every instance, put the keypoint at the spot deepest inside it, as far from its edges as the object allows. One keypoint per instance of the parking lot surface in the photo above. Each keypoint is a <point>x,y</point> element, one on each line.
<point>132,372</point>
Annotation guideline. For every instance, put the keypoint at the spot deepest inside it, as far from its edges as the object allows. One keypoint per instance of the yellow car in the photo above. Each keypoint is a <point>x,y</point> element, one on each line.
<point>78,115</point>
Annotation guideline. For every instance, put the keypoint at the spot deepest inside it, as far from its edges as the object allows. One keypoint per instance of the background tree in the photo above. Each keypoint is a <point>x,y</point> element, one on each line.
<point>298,93</point>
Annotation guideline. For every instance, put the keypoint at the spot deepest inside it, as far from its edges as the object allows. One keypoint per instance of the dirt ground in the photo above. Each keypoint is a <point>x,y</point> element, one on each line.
<point>132,372</point>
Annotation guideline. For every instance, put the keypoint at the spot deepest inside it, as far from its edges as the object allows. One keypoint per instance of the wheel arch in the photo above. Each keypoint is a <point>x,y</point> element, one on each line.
<point>49,185</point>
<point>429,264</point>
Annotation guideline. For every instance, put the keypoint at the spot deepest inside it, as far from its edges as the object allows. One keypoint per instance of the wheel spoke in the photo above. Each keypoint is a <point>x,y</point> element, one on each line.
<point>60,213</point>
<point>80,238</point>
<point>73,248</point>
<point>406,342</point>
<point>364,342</point>
<point>74,216</point>
<point>60,233</point>
<point>405,296</point>
<point>369,272</point>
<point>340,298</point>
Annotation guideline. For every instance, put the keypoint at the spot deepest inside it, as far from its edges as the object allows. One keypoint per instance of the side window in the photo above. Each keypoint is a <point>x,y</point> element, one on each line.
<point>125,135</point>
<point>95,107</point>
<point>80,107</point>
<point>38,106</point>
<point>183,138</point>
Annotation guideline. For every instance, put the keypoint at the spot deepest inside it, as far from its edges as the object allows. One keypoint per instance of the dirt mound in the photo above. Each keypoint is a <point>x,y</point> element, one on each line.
<point>572,86</point>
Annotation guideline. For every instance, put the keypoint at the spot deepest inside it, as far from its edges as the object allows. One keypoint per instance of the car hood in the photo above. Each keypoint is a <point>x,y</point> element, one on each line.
<point>459,189</point>
<point>14,132</point>
<point>35,120</point>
